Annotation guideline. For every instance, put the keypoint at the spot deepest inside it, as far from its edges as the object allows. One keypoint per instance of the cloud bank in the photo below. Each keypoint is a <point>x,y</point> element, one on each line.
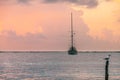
<point>24,1</point>
<point>11,41</point>
<point>88,3</point>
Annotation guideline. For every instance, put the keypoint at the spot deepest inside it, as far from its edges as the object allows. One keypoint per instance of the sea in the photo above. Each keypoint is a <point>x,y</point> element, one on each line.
<point>58,66</point>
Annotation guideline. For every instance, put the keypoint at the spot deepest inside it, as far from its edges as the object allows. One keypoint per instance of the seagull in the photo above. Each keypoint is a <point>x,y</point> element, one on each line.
<point>108,57</point>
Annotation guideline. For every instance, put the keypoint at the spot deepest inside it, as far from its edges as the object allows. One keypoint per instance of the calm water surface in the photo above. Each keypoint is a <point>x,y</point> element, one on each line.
<point>57,66</point>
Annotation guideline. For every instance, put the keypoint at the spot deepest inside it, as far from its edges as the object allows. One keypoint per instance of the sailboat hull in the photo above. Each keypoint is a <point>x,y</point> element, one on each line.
<point>72,51</point>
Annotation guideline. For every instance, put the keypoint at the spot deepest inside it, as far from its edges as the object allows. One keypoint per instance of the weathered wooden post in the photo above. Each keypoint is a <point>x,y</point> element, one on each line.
<point>107,68</point>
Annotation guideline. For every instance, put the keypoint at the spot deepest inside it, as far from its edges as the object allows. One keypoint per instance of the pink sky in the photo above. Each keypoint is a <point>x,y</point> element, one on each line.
<point>45,24</point>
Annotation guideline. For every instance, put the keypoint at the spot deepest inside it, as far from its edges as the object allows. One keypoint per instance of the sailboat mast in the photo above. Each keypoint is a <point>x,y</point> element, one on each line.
<point>72,50</point>
<point>71,30</point>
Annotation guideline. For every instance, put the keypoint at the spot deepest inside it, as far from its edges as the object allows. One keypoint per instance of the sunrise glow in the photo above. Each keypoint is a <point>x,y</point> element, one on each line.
<point>35,25</point>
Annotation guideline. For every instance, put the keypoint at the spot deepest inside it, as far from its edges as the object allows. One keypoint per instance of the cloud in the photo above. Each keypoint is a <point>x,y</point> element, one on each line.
<point>52,1</point>
<point>11,41</point>
<point>1,1</point>
<point>8,2</point>
<point>5,2</point>
<point>88,3</point>
<point>118,20</point>
<point>24,1</point>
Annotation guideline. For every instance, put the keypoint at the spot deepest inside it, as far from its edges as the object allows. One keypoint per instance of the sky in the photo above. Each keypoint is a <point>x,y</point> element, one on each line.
<point>44,25</point>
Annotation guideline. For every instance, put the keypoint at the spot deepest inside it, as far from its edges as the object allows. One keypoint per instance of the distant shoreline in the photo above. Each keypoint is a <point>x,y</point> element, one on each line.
<point>58,51</point>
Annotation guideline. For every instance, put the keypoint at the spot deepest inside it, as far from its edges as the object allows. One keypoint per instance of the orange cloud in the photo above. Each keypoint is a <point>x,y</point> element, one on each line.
<point>103,17</point>
<point>117,0</point>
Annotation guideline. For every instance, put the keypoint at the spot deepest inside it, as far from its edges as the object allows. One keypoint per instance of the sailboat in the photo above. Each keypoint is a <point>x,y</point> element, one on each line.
<point>72,50</point>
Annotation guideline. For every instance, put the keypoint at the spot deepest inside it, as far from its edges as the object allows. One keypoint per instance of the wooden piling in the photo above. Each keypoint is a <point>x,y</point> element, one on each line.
<point>107,68</point>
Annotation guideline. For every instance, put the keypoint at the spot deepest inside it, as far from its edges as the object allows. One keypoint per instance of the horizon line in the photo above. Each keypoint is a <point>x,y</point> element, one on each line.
<point>37,51</point>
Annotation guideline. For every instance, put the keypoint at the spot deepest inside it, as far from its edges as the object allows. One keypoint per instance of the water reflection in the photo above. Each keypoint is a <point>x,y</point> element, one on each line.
<point>51,66</point>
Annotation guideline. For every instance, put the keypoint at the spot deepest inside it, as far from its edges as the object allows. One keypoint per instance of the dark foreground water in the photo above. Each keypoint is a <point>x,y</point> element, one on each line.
<point>57,66</point>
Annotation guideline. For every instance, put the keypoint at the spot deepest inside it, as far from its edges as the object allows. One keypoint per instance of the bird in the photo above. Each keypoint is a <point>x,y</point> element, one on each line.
<point>108,57</point>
